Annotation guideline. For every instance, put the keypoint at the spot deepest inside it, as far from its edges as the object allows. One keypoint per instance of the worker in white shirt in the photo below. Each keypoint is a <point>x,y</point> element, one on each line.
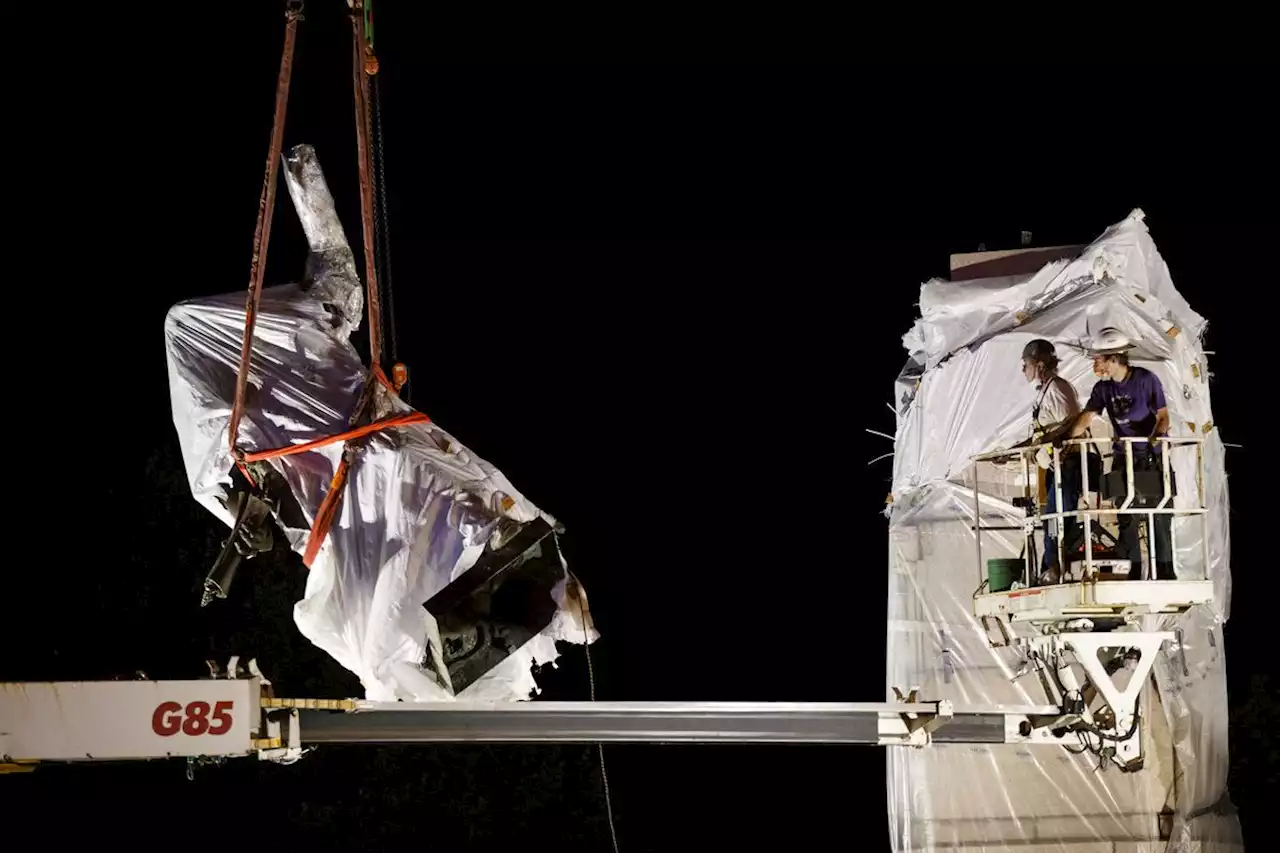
<point>1056,408</point>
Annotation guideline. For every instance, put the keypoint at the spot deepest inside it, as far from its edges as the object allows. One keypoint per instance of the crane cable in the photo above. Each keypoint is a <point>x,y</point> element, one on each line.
<point>382,229</point>
<point>382,219</point>
<point>364,64</point>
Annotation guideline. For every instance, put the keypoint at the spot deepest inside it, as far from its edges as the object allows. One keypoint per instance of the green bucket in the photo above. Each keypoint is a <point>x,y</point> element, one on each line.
<point>1002,572</point>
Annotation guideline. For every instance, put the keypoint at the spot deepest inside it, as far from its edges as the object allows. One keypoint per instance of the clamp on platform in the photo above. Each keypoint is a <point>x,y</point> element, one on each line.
<point>1097,711</point>
<point>1074,623</point>
<point>1123,601</point>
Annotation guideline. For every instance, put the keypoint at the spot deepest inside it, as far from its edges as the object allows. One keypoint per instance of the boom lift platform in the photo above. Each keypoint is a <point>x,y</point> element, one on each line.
<point>1083,635</point>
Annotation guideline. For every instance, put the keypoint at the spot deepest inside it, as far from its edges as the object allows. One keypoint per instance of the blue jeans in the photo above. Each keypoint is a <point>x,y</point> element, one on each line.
<point>1070,500</point>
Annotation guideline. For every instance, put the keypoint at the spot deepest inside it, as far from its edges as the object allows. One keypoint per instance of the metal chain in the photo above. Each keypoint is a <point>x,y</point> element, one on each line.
<point>361,69</point>
<point>382,217</point>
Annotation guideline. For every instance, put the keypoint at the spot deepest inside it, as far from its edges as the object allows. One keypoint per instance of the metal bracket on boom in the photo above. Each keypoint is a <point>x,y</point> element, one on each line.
<point>279,734</point>
<point>918,727</point>
<point>1080,667</point>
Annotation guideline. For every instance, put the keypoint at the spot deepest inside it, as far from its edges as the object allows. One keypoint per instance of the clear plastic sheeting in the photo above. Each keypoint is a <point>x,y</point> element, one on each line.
<point>962,393</point>
<point>418,507</point>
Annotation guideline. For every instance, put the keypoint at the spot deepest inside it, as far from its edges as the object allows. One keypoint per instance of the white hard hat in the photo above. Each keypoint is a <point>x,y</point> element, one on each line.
<point>1110,341</point>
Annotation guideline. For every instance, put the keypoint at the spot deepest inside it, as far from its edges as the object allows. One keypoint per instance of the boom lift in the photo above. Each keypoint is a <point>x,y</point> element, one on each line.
<point>235,713</point>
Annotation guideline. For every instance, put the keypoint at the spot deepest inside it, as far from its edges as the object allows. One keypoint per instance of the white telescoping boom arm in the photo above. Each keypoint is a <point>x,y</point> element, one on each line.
<point>224,717</point>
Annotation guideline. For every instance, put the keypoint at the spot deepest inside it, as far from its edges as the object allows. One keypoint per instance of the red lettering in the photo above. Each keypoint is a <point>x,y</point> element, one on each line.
<point>166,719</point>
<point>195,720</point>
<point>221,718</point>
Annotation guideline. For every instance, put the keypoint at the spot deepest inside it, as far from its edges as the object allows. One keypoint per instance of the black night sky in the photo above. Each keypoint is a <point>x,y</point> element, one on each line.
<point>667,300</point>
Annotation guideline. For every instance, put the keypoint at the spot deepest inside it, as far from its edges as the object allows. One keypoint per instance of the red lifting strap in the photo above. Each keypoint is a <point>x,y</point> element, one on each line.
<point>262,233</point>
<point>261,238</point>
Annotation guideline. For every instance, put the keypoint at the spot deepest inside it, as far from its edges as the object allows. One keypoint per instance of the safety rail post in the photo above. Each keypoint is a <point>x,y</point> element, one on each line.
<point>977,524</point>
<point>1166,506</point>
<point>1083,449</point>
<point>1088,516</point>
<point>1165,500</point>
<point>1027,494</point>
<point>1059,523</point>
<point>1149,571</point>
<point>1128,472</point>
<point>1201,501</point>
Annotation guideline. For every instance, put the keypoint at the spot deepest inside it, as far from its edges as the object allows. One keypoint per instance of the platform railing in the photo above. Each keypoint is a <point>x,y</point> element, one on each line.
<point>1026,455</point>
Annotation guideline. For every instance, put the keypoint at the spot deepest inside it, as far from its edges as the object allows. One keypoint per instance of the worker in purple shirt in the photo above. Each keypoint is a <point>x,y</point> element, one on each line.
<point>1133,399</point>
